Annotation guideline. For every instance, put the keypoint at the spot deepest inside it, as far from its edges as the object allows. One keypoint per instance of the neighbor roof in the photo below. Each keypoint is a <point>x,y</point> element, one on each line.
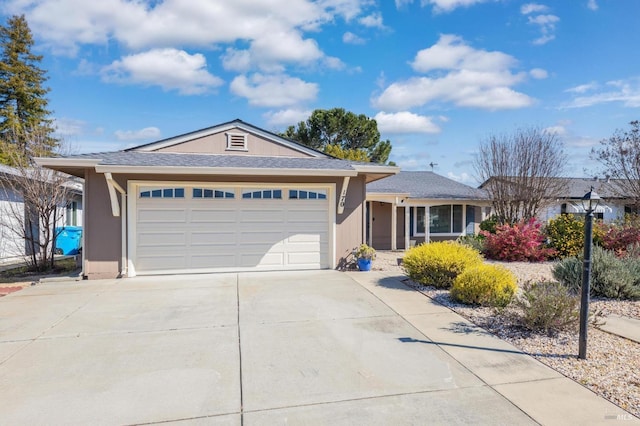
<point>576,188</point>
<point>426,185</point>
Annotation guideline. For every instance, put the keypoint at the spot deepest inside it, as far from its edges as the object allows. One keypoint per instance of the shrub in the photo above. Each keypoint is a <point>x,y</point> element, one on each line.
<point>489,224</point>
<point>484,285</point>
<point>548,307</point>
<point>611,277</point>
<point>566,235</point>
<point>523,241</point>
<point>618,236</point>
<point>438,264</point>
<point>476,242</point>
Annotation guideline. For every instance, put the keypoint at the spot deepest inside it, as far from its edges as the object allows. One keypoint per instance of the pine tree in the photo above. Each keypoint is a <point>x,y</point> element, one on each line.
<point>23,102</point>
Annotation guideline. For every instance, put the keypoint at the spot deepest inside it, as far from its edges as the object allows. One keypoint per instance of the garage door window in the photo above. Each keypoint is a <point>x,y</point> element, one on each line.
<point>213,193</point>
<point>262,194</point>
<point>162,193</point>
<point>298,194</point>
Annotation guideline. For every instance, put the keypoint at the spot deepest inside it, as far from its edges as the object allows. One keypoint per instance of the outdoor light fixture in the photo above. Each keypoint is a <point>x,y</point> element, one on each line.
<point>590,203</point>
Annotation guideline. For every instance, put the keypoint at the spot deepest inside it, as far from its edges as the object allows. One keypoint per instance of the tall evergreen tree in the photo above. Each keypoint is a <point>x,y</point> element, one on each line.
<point>342,134</point>
<point>23,102</point>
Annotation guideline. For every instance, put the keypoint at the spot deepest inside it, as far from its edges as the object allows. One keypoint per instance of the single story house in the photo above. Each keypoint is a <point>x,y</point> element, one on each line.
<point>232,197</point>
<point>611,207</point>
<point>412,207</point>
<point>13,213</point>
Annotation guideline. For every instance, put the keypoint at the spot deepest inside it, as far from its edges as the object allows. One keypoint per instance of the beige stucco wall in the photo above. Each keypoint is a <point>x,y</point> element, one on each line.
<point>217,144</point>
<point>102,231</point>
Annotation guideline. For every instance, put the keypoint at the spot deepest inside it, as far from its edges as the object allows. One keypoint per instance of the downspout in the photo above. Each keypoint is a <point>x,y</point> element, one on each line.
<point>113,186</point>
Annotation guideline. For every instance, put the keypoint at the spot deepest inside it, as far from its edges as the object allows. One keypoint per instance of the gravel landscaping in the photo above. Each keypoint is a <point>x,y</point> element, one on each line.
<point>611,367</point>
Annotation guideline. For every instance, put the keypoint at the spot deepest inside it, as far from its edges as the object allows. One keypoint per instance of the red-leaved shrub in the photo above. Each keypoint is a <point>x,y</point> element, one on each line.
<point>617,237</point>
<point>523,241</point>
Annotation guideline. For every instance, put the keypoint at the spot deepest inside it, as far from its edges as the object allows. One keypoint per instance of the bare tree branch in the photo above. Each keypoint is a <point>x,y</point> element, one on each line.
<point>519,172</point>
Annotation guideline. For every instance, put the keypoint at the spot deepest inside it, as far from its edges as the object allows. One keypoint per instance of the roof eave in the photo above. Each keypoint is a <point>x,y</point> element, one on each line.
<point>248,171</point>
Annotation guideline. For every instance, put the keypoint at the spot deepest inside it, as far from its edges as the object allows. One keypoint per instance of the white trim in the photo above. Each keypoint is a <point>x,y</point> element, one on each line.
<point>169,170</point>
<point>342,199</point>
<point>226,127</point>
<point>134,185</point>
<point>66,162</point>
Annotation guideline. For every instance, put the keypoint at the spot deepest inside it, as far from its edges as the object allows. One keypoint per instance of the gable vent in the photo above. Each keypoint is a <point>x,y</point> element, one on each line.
<point>237,142</point>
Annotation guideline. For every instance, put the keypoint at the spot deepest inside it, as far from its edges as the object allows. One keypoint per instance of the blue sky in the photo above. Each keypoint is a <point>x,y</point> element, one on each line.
<point>439,76</point>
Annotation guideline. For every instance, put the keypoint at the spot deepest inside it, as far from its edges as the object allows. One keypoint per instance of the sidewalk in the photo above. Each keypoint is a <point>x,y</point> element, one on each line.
<point>629,328</point>
<point>539,391</point>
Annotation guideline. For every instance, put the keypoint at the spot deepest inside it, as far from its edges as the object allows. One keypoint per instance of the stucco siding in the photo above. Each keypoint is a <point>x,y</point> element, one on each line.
<point>217,144</point>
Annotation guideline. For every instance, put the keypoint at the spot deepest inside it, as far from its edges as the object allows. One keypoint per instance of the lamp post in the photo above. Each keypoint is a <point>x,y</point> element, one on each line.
<point>590,202</point>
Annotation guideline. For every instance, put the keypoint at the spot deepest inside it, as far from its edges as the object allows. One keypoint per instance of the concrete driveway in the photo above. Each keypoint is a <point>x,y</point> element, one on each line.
<point>265,348</point>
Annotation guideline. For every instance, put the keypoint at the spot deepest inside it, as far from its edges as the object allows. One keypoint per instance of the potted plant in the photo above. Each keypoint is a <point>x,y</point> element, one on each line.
<point>364,255</point>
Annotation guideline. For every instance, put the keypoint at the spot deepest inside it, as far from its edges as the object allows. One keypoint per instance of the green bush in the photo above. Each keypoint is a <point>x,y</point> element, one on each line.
<point>566,235</point>
<point>489,224</point>
<point>438,264</point>
<point>547,307</point>
<point>476,242</point>
<point>611,277</point>
<point>484,285</point>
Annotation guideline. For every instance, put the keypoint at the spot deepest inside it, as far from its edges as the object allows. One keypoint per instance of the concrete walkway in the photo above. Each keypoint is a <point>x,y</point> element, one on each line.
<point>543,394</point>
<point>626,327</point>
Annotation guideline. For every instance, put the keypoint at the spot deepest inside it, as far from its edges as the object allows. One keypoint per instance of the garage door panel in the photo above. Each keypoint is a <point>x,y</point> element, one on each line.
<point>261,259</point>
<point>211,238</point>
<point>162,215</point>
<point>152,262</point>
<point>219,216</point>
<point>261,216</point>
<point>162,239</point>
<point>209,261</point>
<point>190,235</point>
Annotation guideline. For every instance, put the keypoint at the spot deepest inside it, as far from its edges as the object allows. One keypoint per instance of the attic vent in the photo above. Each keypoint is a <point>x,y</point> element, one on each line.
<point>237,142</point>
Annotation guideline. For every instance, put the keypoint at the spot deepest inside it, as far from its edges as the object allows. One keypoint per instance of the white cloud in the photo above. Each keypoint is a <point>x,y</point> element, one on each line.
<point>66,127</point>
<point>472,78</point>
<point>286,117</point>
<point>556,130</point>
<point>546,23</point>
<point>528,8</point>
<point>449,5</point>
<point>583,88</point>
<point>626,92</point>
<point>372,21</point>
<point>273,30</point>
<point>463,177</point>
<point>273,90</point>
<point>170,69</point>
<point>402,3</point>
<point>351,38</point>
<point>539,73</point>
<point>591,4</point>
<point>133,135</point>
<point>405,122</point>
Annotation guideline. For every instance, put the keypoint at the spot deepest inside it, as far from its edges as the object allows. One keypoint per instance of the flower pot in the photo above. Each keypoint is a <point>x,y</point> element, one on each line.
<point>364,264</point>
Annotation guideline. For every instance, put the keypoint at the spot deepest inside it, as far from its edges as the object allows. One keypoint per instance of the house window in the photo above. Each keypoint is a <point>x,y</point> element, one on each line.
<point>237,142</point>
<point>262,194</point>
<point>444,219</point>
<point>213,193</point>
<point>162,193</point>
<point>298,194</point>
<point>72,214</point>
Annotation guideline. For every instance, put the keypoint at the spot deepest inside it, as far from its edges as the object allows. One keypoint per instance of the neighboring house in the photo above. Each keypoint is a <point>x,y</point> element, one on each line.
<point>231,197</point>
<point>13,211</point>
<point>610,208</point>
<point>414,207</point>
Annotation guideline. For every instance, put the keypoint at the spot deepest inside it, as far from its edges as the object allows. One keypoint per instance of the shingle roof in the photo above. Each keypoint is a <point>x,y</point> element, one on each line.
<point>577,187</point>
<point>426,185</point>
<point>166,159</point>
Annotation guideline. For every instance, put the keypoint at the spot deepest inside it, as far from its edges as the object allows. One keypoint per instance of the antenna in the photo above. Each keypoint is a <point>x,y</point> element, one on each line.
<point>432,164</point>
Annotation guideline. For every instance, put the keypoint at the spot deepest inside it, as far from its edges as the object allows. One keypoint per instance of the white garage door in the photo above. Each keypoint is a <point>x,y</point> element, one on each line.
<point>205,228</point>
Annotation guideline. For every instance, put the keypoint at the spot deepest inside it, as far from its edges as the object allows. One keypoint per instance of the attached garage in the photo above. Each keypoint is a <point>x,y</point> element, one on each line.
<point>208,227</point>
<point>231,197</point>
